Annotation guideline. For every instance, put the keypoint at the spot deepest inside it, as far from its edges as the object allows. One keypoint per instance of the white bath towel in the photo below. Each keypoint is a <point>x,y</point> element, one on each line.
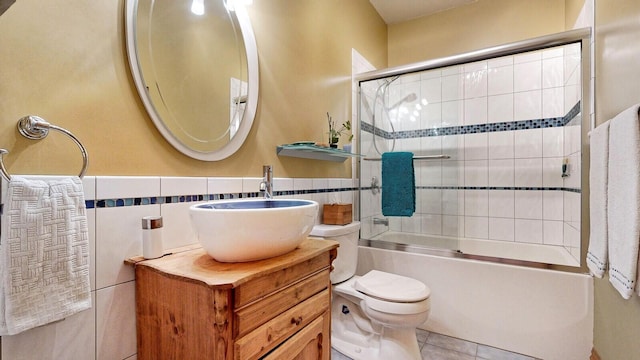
<point>44,254</point>
<point>623,200</point>
<point>597,256</point>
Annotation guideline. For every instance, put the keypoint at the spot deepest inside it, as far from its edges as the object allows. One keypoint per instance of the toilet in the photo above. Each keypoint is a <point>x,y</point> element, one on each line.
<point>373,316</point>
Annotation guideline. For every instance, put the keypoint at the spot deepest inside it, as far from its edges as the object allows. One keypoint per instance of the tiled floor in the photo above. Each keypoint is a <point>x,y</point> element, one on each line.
<point>440,347</point>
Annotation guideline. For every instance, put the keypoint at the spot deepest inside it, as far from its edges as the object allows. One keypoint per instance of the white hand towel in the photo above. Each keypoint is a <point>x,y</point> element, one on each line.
<point>623,203</point>
<point>44,254</point>
<point>598,175</point>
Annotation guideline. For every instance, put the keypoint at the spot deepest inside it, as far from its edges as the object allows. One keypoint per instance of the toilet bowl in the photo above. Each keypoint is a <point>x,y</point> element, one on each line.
<point>373,316</point>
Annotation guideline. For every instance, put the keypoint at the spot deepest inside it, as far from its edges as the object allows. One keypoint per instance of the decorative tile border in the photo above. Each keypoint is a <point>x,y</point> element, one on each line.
<point>475,129</point>
<point>516,188</point>
<point>158,200</point>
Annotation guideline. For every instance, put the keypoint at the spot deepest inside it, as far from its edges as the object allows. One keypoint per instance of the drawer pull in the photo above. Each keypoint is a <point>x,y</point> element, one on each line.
<point>297,320</point>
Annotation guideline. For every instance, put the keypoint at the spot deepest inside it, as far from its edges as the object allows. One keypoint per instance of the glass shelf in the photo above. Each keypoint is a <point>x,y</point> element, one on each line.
<point>314,152</point>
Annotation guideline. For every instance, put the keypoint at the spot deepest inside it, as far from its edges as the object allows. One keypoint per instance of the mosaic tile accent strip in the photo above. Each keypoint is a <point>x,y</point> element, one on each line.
<point>158,200</point>
<point>575,190</point>
<point>153,200</point>
<point>476,129</point>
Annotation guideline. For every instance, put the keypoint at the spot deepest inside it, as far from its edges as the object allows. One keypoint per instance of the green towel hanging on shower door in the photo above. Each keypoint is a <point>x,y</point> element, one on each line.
<point>398,184</point>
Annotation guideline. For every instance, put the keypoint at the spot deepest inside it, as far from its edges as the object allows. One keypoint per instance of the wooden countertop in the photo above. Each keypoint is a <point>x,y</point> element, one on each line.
<point>192,263</point>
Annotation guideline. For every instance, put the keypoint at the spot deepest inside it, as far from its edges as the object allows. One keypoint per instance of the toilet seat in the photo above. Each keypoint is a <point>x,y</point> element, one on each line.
<point>392,287</point>
<point>393,294</point>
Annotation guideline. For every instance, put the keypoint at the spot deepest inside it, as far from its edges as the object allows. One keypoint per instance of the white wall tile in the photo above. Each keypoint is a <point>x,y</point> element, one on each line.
<point>476,173</point>
<point>452,87</point>
<point>411,224</point>
<point>528,231</point>
<point>453,145</point>
<point>430,200</point>
<point>452,225</point>
<point>500,108</point>
<point>431,224</point>
<point>527,57</point>
<point>553,72</point>
<point>501,145</point>
<point>431,115</point>
<point>500,80</point>
<point>475,83</point>
<point>116,321</point>
<point>116,187</point>
<point>475,66</point>
<point>501,229</point>
<point>89,187</point>
<point>475,111</point>
<point>307,184</point>
<point>173,186</point>
<point>528,172</point>
<point>452,173</point>
<point>527,105</point>
<point>177,229</point>
<point>528,204</point>
<point>118,237</point>
<point>553,232</point>
<point>501,172</point>
<point>283,184</point>
<point>552,142</point>
<point>91,225</point>
<point>501,61</point>
<point>475,146</point>
<point>452,202</point>
<point>431,90</point>
<point>553,103</point>
<point>502,203</point>
<point>452,113</point>
<point>251,184</point>
<point>552,172</point>
<point>552,205</point>
<point>224,185</point>
<point>527,76</point>
<point>476,202</point>
<point>476,227</point>
<point>429,173</point>
<point>528,143</point>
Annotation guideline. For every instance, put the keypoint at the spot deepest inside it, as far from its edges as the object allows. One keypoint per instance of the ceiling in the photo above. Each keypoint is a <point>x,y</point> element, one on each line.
<point>395,11</point>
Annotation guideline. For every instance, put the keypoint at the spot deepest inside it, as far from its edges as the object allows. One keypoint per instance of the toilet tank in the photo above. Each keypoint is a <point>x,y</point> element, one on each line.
<point>344,266</point>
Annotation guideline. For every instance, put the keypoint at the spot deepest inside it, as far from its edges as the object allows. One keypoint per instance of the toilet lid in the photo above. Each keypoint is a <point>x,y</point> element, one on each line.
<point>392,287</point>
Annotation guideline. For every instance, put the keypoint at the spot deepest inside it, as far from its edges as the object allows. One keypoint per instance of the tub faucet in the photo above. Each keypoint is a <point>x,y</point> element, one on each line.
<point>381,221</point>
<point>267,181</point>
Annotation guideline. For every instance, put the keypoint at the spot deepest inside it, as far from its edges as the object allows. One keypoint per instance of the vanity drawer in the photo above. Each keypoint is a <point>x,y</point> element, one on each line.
<point>269,335</point>
<point>267,283</point>
<point>257,313</point>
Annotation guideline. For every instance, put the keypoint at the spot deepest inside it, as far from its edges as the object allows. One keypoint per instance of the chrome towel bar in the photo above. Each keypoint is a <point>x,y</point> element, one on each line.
<point>418,157</point>
<point>36,128</point>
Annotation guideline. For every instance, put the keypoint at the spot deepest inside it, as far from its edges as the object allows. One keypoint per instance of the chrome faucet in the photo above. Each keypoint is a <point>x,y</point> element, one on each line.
<point>381,221</point>
<point>267,181</point>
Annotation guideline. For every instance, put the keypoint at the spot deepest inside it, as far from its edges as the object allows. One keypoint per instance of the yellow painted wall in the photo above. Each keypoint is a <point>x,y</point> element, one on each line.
<point>65,60</point>
<point>474,26</point>
<point>616,321</point>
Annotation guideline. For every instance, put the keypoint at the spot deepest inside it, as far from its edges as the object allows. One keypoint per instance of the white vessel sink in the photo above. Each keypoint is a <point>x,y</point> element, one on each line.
<point>252,229</point>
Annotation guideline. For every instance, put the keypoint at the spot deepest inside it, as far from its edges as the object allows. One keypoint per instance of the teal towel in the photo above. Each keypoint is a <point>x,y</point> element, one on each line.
<point>398,184</point>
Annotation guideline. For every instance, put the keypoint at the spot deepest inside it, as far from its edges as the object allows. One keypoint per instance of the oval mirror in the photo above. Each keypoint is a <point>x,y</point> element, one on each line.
<point>195,66</point>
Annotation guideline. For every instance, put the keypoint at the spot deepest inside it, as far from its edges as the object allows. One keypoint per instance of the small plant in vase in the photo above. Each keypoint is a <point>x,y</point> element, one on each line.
<point>335,133</point>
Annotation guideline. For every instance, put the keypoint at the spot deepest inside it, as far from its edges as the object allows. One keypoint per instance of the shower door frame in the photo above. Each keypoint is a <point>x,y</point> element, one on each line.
<point>584,36</point>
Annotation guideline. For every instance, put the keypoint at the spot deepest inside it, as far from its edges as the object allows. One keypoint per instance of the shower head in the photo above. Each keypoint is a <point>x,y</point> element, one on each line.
<point>409,98</point>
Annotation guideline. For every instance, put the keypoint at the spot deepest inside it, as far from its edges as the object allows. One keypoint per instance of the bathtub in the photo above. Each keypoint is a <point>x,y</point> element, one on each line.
<point>498,251</point>
<point>544,313</point>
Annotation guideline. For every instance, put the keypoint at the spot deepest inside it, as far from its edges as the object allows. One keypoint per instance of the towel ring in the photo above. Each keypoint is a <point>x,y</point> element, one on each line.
<point>36,128</point>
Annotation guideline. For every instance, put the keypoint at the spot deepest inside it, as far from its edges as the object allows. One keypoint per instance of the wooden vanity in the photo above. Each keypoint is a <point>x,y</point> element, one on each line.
<point>189,306</point>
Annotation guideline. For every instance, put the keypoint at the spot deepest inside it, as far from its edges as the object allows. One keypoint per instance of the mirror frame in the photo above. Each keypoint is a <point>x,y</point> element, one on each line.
<point>252,86</point>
